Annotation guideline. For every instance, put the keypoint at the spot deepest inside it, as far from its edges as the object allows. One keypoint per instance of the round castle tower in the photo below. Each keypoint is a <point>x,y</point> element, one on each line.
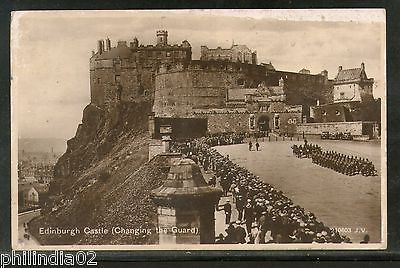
<point>162,37</point>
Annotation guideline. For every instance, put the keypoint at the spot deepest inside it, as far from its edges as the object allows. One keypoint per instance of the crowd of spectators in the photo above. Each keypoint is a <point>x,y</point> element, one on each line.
<point>268,216</point>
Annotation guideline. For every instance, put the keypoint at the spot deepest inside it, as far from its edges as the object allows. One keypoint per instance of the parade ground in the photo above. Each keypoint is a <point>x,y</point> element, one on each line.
<point>350,203</point>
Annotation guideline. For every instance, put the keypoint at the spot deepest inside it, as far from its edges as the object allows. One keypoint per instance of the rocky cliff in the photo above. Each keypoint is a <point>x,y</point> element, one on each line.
<point>104,179</point>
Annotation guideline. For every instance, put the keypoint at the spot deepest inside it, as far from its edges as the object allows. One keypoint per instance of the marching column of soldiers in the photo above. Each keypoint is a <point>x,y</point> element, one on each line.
<point>348,165</point>
<point>267,214</point>
<point>305,151</point>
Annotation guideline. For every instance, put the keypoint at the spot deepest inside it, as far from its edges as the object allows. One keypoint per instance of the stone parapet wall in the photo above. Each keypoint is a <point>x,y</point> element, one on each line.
<point>355,128</point>
<point>217,66</point>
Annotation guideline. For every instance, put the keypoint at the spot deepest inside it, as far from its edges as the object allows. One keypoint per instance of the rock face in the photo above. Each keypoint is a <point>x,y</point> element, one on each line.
<point>104,179</point>
<point>100,131</point>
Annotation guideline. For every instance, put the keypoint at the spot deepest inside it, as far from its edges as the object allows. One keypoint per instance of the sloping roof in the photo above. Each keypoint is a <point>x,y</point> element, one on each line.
<point>349,74</point>
<point>304,71</point>
<point>240,47</point>
<point>40,188</point>
<point>269,66</point>
<point>22,188</point>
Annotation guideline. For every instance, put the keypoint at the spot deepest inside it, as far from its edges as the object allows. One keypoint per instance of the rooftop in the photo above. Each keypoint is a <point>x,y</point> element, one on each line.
<point>349,74</point>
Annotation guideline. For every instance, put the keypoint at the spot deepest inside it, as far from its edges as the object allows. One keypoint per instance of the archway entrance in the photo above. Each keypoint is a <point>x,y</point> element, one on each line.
<point>263,123</point>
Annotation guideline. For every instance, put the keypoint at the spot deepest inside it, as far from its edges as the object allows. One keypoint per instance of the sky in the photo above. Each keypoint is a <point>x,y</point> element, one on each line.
<point>50,51</point>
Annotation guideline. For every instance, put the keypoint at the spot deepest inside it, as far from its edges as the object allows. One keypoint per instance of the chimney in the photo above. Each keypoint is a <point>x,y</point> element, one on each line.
<point>100,46</point>
<point>340,68</point>
<point>362,66</point>
<point>108,44</point>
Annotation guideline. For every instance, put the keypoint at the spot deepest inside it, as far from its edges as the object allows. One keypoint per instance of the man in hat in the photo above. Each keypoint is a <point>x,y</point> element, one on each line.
<point>262,226</point>
<point>240,206</point>
<point>248,216</point>
<point>228,212</point>
<point>240,233</point>
<point>231,234</point>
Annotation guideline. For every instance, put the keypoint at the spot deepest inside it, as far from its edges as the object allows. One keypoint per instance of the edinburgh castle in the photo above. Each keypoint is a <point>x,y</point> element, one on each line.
<point>225,91</point>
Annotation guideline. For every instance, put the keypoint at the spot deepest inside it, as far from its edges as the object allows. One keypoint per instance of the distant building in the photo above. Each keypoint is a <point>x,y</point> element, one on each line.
<point>352,85</point>
<point>353,108</point>
<point>304,71</point>
<point>31,194</point>
<point>236,53</point>
<point>27,195</point>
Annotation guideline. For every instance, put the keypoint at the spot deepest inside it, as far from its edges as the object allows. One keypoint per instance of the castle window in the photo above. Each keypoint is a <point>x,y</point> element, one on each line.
<point>337,113</point>
<point>342,95</point>
<point>98,80</point>
<point>117,79</point>
<point>240,82</point>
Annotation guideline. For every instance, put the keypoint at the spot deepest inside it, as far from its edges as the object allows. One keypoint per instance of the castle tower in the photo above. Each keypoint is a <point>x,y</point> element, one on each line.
<point>135,43</point>
<point>162,37</point>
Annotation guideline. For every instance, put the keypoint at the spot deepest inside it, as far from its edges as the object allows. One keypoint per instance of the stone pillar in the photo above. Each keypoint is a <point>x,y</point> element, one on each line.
<point>166,132</point>
<point>186,205</point>
<point>165,143</point>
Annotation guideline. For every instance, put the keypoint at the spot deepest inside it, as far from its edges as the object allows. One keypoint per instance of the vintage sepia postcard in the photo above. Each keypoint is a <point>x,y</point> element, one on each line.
<point>199,129</point>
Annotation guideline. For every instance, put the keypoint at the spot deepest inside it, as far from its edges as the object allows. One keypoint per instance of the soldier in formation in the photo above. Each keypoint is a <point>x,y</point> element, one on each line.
<point>348,165</point>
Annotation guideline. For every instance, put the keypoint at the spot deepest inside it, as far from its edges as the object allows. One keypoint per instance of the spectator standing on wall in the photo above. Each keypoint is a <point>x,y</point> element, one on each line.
<point>250,145</point>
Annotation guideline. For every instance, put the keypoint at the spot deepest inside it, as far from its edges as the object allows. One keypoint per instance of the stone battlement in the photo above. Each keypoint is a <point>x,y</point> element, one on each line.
<point>211,66</point>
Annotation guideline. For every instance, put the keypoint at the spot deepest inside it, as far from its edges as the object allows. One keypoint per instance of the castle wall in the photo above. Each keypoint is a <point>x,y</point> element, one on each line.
<point>181,88</point>
<point>346,92</point>
<point>304,89</point>
<point>177,93</point>
<point>239,121</point>
<point>228,122</point>
<point>355,128</point>
<point>347,112</point>
<point>128,73</point>
<point>288,123</point>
